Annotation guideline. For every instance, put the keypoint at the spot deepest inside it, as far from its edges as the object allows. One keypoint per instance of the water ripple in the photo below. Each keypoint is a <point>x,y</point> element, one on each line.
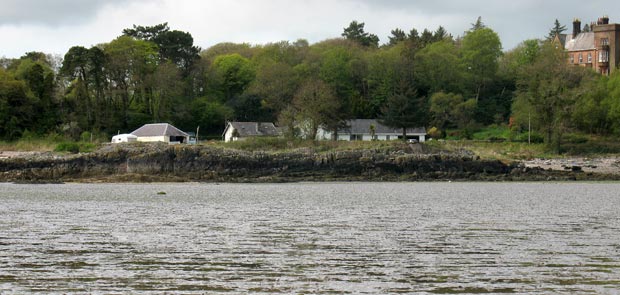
<point>319,238</point>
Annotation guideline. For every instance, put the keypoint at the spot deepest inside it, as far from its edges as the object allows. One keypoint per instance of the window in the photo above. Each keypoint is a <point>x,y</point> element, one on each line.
<point>603,56</point>
<point>580,58</point>
<point>355,137</point>
<point>604,42</point>
<point>589,57</point>
<point>571,58</point>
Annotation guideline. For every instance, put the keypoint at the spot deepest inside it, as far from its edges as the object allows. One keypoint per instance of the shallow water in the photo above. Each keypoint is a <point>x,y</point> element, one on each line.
<point>317,238</point>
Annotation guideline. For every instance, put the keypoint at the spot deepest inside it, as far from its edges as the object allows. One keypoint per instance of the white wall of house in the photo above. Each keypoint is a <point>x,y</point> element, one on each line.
<point>326,135</point>
<point>228,136</point>
<point>124,138</point>
<point>154,138</point>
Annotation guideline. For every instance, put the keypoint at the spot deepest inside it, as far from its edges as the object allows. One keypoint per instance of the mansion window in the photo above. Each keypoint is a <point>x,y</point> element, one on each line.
<point>604,41</point>
<point>571,58</point>
<point>589,57</point>
<point>603,56</point>
<point>580,58</point>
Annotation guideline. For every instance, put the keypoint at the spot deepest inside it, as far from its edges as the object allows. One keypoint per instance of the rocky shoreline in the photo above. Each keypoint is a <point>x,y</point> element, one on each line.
<point>176,163</point>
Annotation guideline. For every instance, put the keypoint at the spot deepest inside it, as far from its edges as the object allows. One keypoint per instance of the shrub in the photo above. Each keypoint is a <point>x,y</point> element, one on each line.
<point>75,147</point>
<point>535,137</point>
<point>575,138</point>
<point>86,136</point>
<point>70,147</point>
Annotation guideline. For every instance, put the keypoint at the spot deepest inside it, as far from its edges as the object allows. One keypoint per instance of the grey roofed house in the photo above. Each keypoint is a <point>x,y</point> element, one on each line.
<point>362,126</point>
<point>359,129</point>
<point>160,132</point>
<point>240,130</point>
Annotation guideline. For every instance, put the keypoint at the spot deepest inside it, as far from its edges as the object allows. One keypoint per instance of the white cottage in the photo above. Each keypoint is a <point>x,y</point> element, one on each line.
<point>371,129</point>
<point>163,132</point>
<point>241,130</point>
<point>124,138</point>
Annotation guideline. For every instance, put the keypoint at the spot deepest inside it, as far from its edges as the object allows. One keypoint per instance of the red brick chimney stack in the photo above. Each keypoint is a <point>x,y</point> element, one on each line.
<point>605,20</point>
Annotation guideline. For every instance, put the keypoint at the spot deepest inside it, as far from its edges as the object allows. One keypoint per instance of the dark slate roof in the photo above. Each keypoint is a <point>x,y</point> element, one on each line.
<point>246,129</point>
<point>362,126</point>
<point>158,129</point>
<point>583,41</point>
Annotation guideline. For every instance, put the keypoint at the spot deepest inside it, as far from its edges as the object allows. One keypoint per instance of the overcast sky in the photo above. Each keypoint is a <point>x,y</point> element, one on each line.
<point>53,26</point>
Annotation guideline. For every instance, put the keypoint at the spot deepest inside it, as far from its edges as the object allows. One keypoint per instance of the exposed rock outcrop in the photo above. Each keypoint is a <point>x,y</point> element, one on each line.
<point>160,162</point>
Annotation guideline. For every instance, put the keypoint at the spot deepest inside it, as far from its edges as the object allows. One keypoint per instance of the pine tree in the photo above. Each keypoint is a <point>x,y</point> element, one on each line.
<point>477,25</point>
<point>556,30</point>
<point>586,28</point>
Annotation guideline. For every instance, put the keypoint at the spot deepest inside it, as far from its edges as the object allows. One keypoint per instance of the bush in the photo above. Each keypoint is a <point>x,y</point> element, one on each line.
<point>28,135</point>
<point>535,137</point>
<point>75,147</point>
<point>492,133</point>
<point>70,147</point>
<point>86,136</point>
<point>575,138</point>
<point>435,133</point>
<point>590,148</point>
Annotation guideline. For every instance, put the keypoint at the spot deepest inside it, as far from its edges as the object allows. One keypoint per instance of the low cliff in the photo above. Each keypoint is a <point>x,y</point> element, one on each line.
<point>160,162</point>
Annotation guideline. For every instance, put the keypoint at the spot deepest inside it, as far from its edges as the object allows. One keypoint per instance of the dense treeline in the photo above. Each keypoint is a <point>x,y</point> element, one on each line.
<point>431,79</point>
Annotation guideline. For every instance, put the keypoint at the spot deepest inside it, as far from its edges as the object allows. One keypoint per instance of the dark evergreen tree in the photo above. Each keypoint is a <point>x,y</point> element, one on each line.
<point>355,32</point>
<point>556,30</point>
<point>398,36</point>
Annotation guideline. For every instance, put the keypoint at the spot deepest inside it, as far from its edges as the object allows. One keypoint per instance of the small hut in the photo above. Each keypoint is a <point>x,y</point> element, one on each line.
<point>163,132</point>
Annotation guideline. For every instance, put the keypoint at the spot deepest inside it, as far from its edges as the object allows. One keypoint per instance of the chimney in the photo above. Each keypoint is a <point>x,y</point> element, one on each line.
<point>605,20</point>
<point>576,27</point>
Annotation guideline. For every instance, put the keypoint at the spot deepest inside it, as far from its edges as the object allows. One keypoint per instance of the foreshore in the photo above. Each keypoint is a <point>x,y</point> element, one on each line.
<point>181,163</point>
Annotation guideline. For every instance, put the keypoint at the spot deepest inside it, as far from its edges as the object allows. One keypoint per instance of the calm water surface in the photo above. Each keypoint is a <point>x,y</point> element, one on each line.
<point>374,238</point>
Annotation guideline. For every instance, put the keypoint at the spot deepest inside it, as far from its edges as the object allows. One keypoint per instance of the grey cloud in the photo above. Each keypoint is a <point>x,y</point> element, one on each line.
<point>51,13</point>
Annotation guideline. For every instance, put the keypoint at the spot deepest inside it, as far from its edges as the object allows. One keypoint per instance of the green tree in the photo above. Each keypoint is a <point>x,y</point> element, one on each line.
<point>233,74</point>
<point>316,105</point>
<point>34,68</point>
<point>17,106</point>
<point>211,114</point>
<point>397,36</point>
<point>592,107</point>
<point>338,66</point>
<point>174,46</point>
<point>480,51</point>
<point>440,34</point>
<point>78,105</point>
<point>477,25</point>
<point>547,91</point>
<point>611,101</point>
<point>556,30</point>
<point>355,32</point>
<point>129,63</point>
<point>451,110</point>
<point>426,38</point>
<point>166,89</point>
<point>403,111</point>
<point>382,78</point>
<point>437,67</point>
<point>586,28</point>
<point>276,84</point>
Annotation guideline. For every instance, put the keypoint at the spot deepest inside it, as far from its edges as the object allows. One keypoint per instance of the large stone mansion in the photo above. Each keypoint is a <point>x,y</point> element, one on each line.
<point>598,48</point>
